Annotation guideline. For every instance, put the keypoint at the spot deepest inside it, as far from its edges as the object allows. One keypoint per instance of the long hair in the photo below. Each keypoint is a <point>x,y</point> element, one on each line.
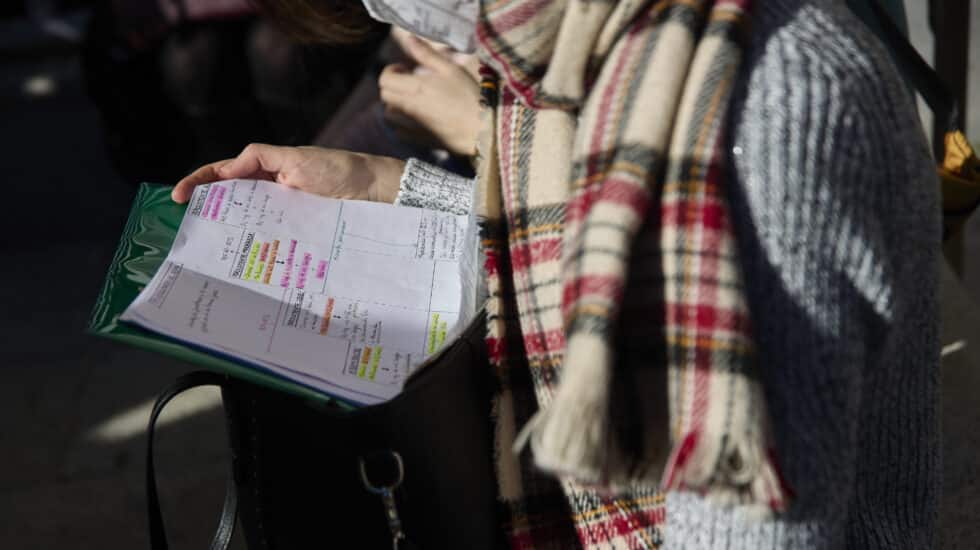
<point>322,21</point>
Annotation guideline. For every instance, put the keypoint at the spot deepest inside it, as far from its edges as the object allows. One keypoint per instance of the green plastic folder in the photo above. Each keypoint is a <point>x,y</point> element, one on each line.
<point>144,244</point>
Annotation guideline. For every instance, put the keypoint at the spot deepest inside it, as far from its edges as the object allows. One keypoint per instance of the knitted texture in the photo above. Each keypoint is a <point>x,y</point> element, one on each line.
<point>439,189</point>
<point>426,186</point>
<point>834,202</point>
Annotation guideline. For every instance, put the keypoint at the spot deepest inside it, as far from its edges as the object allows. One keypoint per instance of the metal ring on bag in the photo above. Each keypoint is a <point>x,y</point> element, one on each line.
<point>380,490</point>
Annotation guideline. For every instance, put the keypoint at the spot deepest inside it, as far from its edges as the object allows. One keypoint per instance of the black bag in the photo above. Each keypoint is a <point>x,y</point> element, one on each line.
<point>307,475</point>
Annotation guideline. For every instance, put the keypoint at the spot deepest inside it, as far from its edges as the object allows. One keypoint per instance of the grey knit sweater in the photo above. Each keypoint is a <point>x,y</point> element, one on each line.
<point>835,208</point>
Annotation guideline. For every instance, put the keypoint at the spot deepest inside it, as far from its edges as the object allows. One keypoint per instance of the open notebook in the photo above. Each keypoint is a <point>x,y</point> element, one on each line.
<point>345,298</point>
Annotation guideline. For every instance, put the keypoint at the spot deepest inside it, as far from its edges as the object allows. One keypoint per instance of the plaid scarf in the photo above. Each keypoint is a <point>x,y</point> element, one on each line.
<point>618,329</point>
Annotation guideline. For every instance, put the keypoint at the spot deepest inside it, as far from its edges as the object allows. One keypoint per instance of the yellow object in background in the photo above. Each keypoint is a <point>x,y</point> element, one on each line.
<point>959,176</point>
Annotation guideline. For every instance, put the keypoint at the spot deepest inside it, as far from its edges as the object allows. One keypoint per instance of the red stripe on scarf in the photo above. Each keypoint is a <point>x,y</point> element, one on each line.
<point>613,190</point>
<point>621,524</point>
<point>681,455</point>
<point>524,256</point>
<point>711,214</point>
<point>496,349</point>
<point>608,114</point>
<point>521,87</point>
<point>712,211</point>
<point>492,263</point>
<point>708,318</point>
<point>702,381</point>
<point>606,287</point>
<point>518,16</point>
<point>549,341</point>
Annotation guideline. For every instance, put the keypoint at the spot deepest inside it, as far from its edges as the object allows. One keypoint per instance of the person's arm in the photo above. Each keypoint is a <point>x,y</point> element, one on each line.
<point>340,174</point>
<point>810,189</point>
<point>328,172</point>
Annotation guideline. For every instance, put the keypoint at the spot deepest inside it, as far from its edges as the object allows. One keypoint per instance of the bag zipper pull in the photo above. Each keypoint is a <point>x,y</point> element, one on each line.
<point>387,493</point>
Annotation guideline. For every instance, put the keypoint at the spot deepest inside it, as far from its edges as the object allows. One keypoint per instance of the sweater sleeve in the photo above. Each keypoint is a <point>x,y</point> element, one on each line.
<point>426,186</point>
<point>833,225</point>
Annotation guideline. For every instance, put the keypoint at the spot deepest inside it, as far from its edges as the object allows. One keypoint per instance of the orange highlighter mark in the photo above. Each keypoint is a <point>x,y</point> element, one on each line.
<point>326,317</point>
<point>271,263</point>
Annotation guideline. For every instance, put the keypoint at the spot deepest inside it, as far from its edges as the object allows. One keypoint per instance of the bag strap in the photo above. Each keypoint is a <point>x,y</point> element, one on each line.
<point>922,76</point>
<point>229,511</point>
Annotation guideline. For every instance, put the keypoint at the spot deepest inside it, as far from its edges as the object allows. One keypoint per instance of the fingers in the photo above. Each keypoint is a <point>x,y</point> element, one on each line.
<point>425,55</point>
<point>401,105</point>
<point>398,78</point>
<point>256,161</point>
<point>395,101</point>
<point>470,63</point>
<point>205,174</point>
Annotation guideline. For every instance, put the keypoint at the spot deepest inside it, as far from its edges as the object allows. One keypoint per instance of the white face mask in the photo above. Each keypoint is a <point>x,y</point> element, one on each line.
<point>450,22</point>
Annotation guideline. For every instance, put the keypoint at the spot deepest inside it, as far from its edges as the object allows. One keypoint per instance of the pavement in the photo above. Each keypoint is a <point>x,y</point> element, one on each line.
<point>73,407</point>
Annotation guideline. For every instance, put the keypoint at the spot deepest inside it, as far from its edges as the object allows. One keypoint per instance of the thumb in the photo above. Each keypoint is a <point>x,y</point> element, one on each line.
<point>257,160</point>
<point>425,55</point>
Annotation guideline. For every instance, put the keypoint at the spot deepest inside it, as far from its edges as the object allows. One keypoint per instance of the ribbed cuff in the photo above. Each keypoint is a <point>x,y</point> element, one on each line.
<point>695,524</point>
<point>425,186</point>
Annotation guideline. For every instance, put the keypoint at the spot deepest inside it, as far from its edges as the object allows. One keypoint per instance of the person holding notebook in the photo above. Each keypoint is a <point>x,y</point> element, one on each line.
<point>711,237</point>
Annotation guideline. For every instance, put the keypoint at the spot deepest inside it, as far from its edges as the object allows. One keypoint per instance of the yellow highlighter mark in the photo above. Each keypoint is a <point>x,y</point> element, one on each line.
<point>365,360</point>
<point>252,255</point>
<point>374,362</point>
<point>437,332</point>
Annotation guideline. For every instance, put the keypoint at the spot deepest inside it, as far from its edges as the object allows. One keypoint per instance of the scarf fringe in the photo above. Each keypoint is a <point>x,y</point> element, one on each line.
<point>571,435</point>
<point>742,474</point>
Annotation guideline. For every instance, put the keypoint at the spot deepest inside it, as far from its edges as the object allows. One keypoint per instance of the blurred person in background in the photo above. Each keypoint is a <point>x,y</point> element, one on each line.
<point>178,82</point>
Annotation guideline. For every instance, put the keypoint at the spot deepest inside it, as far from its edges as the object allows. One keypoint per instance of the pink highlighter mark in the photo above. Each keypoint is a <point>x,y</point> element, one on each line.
<point>217,203</point>
<point>304,269</point>
<point>321,269</point>
<point>207,202</point>
<point>290,258</point>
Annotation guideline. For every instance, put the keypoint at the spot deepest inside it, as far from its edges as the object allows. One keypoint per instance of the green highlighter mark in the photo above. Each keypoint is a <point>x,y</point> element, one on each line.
<point>374,362</point>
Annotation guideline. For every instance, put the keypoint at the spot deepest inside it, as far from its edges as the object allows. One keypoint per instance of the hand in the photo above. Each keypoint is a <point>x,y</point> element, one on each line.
<point>328,172</point>
<point>437,104</point>
<point>402,39</point>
